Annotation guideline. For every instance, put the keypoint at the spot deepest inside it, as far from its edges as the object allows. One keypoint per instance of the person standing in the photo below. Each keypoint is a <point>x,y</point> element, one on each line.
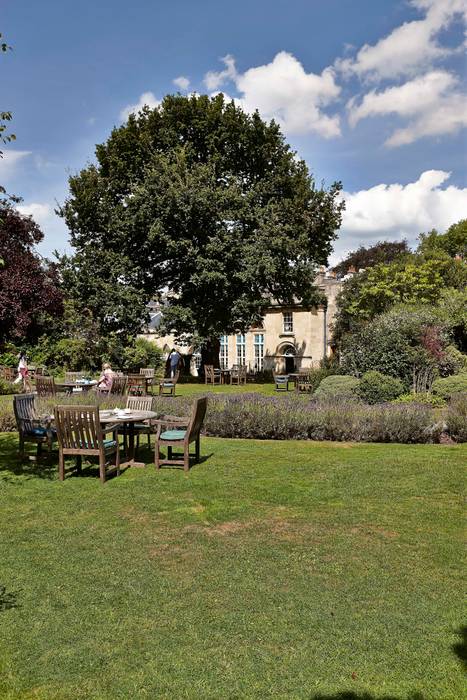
<point>23,372</point>
<point>174,358</point>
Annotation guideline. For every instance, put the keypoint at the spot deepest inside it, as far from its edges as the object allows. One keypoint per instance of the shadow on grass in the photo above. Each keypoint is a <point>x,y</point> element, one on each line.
<point>460,649</point>
<point>11,463</point>
<point>8,600</point>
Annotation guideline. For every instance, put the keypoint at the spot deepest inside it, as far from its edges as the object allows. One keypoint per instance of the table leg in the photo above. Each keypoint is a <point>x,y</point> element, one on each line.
<point>130,456</point>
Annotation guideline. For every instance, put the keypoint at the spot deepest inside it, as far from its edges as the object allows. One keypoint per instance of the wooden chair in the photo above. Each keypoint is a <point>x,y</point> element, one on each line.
<point>9,374</point>
<point>45,386</point>
<point>137,385</point>
<point>281,382</point>
<point>30,428</point>
<point>168,384</point>
<point>238,375</point>
<point>150,374</point>
<point>118,386</point>
<point>303,383</point>
<point>212,375</point>
<point>140,403</point>
<point>180,433</point>
<point>80,434</point>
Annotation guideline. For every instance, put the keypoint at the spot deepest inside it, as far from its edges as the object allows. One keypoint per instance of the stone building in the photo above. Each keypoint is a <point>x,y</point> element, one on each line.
<point>289,338</point>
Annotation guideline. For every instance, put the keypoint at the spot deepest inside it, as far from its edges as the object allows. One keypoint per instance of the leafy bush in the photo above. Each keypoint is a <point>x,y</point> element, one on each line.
<point>319,373</point>
<point>338,385</point>
<point>427,399</point>
<point>456,417</point>
<point>9,387</point>
<point>448,386</point>
<point>395,343</point>
<point>376,387</point>
<point>142,353</point>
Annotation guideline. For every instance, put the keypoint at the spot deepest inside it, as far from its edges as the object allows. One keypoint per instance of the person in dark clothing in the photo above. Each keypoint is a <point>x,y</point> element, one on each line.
<point>174,360</point>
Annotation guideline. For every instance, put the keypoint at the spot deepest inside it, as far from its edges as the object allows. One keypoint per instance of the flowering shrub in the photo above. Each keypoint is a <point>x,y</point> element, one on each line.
<point>292,417</point>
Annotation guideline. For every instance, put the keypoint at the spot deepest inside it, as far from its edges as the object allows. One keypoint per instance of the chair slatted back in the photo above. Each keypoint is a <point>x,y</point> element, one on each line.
<point>209,373</point>
<point>137,384</point>
<point>139,403</point>
<point>45,386</point>
<point>9,374</point>
<point>148,372</point>
<point>79,429</point>
<point>197,417</point>
<point>118,385</point>
<point>24,407</point>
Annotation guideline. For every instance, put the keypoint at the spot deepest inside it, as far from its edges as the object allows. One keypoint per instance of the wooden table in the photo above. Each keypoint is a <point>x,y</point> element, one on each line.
<point>128,420</point>
<point>69,386</point>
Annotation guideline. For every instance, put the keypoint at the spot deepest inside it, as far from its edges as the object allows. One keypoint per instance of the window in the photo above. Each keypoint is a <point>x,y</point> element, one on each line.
<point>197,359</point>
<point>288,321</point>
<point>224,353</point>
<point>259,351</point>
<point>241,349</point>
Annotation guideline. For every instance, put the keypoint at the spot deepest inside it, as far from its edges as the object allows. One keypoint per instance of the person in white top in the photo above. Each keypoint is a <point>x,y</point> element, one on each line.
<point>23,372</point>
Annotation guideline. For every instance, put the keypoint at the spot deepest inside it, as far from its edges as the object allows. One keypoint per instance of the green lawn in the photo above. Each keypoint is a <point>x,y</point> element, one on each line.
<point>271,570</point>
<point>197,388</point>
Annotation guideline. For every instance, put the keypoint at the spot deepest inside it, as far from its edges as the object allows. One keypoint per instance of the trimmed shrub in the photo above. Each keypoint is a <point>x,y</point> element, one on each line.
<point>337,386</point>
<point>424,399</point>
<point>319,373</point>
<point>456,417</point>
<point>376,387</point>
<point>448,386</point>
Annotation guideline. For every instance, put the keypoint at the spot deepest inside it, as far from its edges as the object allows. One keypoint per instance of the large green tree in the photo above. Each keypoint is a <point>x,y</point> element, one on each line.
<point>204,201</point>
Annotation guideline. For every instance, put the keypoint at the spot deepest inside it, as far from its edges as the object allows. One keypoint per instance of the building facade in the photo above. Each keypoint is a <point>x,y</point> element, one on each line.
<point>289,338</point>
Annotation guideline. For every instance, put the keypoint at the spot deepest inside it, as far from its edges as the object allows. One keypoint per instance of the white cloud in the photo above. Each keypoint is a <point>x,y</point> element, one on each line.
<point>399,211</point>
<point>40,212</point>
<point>181,82</point>
<point>147,98</point>
<point>284,91</point>
<point>9,161</point>
<point>408,48</point>
<point>213,80</point>
<point>431,101</point>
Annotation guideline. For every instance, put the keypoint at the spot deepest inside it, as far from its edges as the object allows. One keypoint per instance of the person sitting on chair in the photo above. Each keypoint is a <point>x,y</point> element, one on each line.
<point>105,380</point>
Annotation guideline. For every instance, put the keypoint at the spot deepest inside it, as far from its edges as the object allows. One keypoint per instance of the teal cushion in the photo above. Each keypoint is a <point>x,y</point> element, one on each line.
<point>167,384</point>
<point>40,432</point>
<point>108,444</point>
<point>173,435</point>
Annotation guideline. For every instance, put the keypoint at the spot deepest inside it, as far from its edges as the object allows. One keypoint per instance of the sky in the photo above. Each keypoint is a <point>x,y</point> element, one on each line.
<point>368,92</point>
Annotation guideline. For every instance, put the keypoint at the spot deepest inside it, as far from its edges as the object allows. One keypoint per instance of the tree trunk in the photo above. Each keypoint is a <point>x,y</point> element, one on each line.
<point>210,353</point>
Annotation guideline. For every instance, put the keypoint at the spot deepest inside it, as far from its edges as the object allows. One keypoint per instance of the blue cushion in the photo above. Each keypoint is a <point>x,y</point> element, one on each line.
<point>173,435</point>
<point>40,432</point>
<point>109,443</point>
<point>168,384</point>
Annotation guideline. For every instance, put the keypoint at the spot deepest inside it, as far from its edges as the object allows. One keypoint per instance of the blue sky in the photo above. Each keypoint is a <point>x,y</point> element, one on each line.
<point>370,92</point>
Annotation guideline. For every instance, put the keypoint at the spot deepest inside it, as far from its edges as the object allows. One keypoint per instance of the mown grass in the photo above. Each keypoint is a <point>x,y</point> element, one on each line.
<point>271,570</point>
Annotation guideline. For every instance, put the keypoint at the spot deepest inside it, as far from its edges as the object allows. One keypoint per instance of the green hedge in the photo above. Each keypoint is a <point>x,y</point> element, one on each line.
<point>448,386</point>
<point>337,386</point>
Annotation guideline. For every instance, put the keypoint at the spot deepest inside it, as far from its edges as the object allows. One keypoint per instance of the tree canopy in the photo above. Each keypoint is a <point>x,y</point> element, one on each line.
<point>369,256</point>
<point>204,201</point>
<point>28,285</point>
